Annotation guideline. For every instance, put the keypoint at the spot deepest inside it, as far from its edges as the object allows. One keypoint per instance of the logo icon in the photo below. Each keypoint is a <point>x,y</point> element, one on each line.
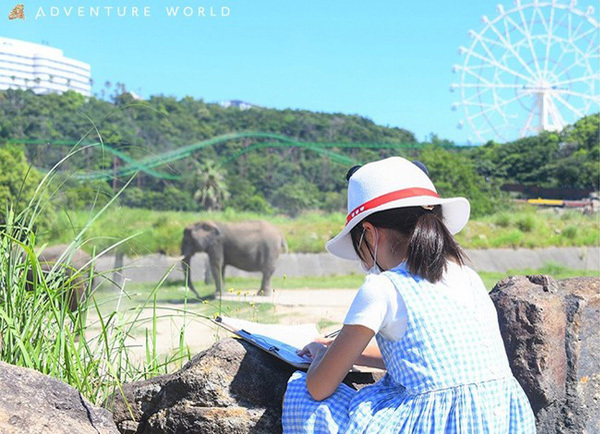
<point>17,12</point>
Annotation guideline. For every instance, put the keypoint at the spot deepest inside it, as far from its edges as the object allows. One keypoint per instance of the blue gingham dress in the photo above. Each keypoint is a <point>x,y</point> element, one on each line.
<point>448,374</point>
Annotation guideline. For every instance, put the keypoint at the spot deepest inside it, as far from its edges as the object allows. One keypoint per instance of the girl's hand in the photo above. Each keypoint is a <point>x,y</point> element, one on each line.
<point>333,362</point>
<point>311,350</point>
<point>325,341</point>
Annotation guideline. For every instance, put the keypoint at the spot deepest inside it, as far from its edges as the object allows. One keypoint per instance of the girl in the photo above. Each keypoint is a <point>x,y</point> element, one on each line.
<point>435,326</point>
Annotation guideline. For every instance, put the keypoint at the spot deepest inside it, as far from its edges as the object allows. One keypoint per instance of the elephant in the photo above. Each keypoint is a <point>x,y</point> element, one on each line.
<point>249,246</point>
<point>77,270</point>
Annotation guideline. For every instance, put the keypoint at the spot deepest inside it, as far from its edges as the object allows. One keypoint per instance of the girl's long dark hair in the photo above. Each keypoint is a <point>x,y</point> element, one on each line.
<point>429,242</point>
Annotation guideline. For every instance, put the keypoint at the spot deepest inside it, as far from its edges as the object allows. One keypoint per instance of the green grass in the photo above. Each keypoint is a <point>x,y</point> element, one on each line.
<point>556,271</point>
<point>161,231</point>
<point>174,293</point>
<point>245,287</point>
<point>529,227</point>
<point>84,348</point>
<point>87,347</point>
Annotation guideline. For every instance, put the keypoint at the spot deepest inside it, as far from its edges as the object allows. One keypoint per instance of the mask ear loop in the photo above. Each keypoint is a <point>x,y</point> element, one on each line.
<point>373,254</point>
<point>362,236</point>
<point>376,246</point>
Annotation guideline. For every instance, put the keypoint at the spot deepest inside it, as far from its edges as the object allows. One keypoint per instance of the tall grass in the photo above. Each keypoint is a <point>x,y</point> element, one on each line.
<point>85,347</point>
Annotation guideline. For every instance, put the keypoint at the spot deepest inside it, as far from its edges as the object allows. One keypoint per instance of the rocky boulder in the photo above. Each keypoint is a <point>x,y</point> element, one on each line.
<point>233,387</point>
<point>31,402</point>
<point>551,331</point>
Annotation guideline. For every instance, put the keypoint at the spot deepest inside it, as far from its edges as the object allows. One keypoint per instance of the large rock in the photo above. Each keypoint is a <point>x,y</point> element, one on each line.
<point>232,387</point>
<point>551,331</point>
<point>31,402</point>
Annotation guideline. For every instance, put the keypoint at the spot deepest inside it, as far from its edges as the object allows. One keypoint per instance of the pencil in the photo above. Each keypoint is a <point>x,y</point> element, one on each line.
<point>333,334</point>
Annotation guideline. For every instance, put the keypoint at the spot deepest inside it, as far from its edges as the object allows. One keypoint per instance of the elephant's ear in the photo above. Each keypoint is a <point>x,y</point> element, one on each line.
<point>212,228</point>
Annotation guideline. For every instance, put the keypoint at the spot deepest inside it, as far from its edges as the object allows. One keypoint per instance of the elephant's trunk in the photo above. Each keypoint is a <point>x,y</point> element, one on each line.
<point>187,274</point>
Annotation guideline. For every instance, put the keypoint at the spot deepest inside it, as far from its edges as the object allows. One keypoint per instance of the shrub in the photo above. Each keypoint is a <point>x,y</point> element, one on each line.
<point>244,197</point>
<point>333,202</point>
<point>503,219</point>
<point>526,223</point>
<point>296,197</point>
<point>170,199</point>
<point>75,194</point>
<point>570,232</point>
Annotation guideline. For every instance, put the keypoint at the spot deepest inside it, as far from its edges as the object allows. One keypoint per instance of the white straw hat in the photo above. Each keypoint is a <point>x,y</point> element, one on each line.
<point>393,183</point>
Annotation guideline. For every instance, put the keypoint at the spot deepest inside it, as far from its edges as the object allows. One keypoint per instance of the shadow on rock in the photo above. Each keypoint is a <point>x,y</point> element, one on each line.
<point>233,387</point>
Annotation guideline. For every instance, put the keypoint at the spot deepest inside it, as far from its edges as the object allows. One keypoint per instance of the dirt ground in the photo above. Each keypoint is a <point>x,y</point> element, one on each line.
<point>298,306</point>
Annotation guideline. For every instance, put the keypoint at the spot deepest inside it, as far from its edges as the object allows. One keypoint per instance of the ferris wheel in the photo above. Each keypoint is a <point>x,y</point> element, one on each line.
<point>533,67</point>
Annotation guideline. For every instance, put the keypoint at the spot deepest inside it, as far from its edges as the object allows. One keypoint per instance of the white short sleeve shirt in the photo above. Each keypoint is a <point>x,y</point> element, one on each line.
<point>380,307</point>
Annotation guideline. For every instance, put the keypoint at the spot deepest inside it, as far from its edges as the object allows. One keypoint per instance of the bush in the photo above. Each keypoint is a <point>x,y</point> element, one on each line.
<point>333,202</point>
<point>503,219</point>
<point>244,197</point>
<point>526,223</point>
<point>257,204</point>
<point>134,197</point>
<point>296,197</point>
<point>570,232</point>
<point>170,199</point>
<point>75,194</point>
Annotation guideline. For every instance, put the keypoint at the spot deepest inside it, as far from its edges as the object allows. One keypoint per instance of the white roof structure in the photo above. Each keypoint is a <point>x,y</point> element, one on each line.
<point>43,69</point>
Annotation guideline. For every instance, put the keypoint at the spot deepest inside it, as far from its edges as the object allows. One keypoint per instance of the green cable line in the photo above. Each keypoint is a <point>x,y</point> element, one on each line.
<point>339,158</point>
<point>147,164</point>
<point>105,174</point>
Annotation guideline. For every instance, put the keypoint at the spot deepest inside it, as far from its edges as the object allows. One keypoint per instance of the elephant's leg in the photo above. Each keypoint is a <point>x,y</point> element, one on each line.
<point>217,270</point>
<point>265,286</point>
<point>223,276</point>
<point>187,275</point>
<point>208,277</point>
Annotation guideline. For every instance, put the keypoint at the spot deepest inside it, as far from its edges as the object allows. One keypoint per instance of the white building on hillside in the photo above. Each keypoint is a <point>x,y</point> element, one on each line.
<point>242,105</point>
<point>43,69</point>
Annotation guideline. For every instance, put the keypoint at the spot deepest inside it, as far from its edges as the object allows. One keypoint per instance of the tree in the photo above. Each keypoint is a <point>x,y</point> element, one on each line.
<point>18,180</point>
<point>453,174</point>
<point>18,183</point>
<point>211,189</point>
<point>296,196</point>
<point>580,149</point>
<point>244,197</point>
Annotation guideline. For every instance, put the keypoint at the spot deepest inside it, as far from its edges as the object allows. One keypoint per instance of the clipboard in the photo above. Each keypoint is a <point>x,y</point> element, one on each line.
<point>278,340</point>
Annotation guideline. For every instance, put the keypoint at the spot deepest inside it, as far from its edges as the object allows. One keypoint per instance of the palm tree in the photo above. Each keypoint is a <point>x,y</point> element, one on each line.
<point>211,189</point>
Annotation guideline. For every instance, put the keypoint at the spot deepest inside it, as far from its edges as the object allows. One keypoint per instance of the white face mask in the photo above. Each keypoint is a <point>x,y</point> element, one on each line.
<point>375,268</point>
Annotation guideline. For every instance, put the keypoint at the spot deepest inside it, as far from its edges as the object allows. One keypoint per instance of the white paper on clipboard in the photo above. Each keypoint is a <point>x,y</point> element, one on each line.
<point>282,341</point>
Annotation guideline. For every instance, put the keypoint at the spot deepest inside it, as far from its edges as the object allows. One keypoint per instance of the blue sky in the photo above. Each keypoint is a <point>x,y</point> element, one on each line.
<point>389,61</point>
